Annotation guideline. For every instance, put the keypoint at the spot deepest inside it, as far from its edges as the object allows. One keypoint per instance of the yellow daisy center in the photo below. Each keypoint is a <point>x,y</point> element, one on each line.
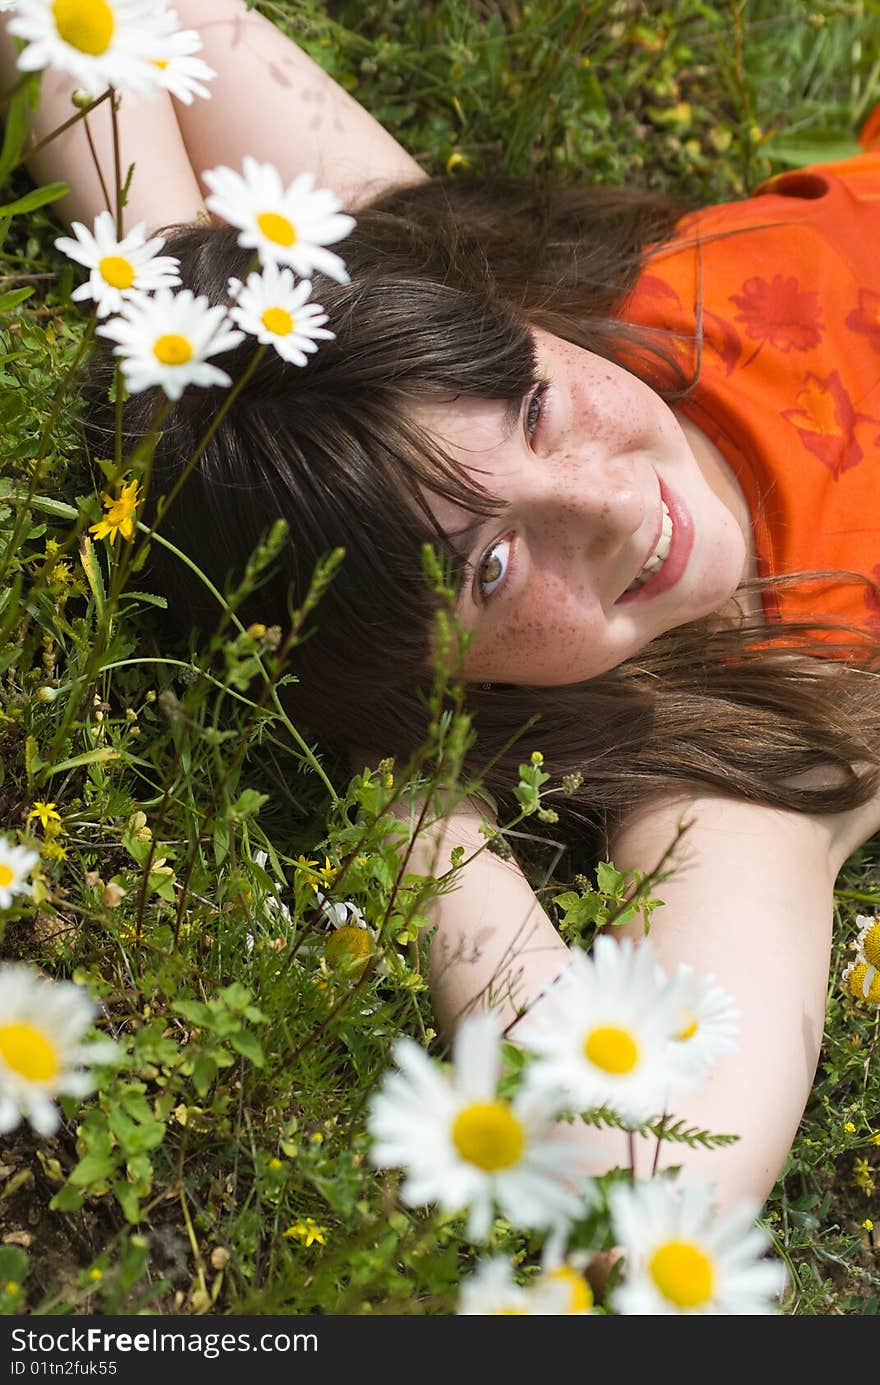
<point>871,945</point>
<point>172,349</point>
<point>85,24</point>
<point>683,1273</point>
<point>688,1026</point>
<point>349,949</point>
<point>28,1052</point>
<point>116,271</point>
<point>277,320</point>
<point>161,63</point>
<point>580,1295</point>
<point>611,1049</point>
<point>276,228</point>
<point>857,984</point>
<point>509,1313</point>
<point>7,875</point>
<point>489,1135</point>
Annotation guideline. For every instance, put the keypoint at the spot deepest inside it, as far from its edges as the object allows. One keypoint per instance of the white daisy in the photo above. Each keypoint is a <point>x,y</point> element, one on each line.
<point>273,901</point>
<point>120,269</point>
<point>289,226</point>
<point>353,941</point>
<point>601,1033</point>
<point>680,1258</point>
<point>705,1026</point>
<point>100,43</point>
<point>868,939</point>
<point>464,1146</point>
<point>492,1291</point>
<point>42,1055</point>
<point>862,979</point>
<point>165,341</point>
<point>16,863</point>
<point>275,310</point>
<point>177,69</point>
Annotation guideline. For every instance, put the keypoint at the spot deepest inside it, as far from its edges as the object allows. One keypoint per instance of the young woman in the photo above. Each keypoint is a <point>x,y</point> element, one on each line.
<point>623,448</point>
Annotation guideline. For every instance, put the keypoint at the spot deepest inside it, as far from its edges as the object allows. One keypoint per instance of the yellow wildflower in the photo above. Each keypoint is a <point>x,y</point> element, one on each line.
<point>45,812</point>
<point>307,1231</point>
<point>863,1176</point>
<point>119,516</point>
<point>867,1224</point>
<point>849,1127</point>
<point>275,1163</point>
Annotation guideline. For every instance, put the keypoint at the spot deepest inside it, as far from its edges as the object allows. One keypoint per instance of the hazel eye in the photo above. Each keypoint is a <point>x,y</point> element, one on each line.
<point>533,410</point>
<point>493,567</point>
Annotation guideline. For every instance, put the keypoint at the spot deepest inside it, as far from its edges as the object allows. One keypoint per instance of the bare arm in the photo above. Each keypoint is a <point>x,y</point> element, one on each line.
<point>269,99</point>
<point>272,101</point>
<point>750,901</point>
<point>163,188</point>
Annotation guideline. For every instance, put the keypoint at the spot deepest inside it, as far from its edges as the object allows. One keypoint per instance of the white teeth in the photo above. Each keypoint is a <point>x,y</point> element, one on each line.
<point>660,554</point>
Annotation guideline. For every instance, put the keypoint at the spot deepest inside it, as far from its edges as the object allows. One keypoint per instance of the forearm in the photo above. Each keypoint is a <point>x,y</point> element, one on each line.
<point>272,101</point>
<point>751,902</point>
<point>163,186</point>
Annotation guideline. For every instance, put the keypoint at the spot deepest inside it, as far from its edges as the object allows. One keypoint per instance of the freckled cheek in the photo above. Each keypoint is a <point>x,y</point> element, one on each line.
<point>544,634</point>
<point>623,415</point>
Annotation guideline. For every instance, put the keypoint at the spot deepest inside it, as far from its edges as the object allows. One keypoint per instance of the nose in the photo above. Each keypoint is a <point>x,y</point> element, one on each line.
<point>592,509</point>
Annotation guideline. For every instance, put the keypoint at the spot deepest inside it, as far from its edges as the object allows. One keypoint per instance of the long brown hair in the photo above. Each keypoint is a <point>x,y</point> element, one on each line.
<point>447,277</point>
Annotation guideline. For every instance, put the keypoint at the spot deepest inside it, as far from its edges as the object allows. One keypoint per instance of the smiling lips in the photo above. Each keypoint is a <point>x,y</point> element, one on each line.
<point>659,555</point>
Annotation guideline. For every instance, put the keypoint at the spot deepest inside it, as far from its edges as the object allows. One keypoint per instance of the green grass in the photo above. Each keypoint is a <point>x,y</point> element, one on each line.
<point>241,1111</point>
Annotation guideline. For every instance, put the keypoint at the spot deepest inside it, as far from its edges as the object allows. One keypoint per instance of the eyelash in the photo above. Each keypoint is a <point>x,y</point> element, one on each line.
<point>536,400</point>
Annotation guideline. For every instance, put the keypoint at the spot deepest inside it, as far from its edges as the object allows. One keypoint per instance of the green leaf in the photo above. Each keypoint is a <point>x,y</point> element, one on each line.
<point>67,1199</point>
<point>90,757</point>
<point>248,1045</point>
<point>248,804</point>
<point>13,1264</point>
<point>92,1168</point>
<point>221,842</point>
<point>16,126</point>
<point>39,197</point>
<point>204,1072</point>
<point>92,569</point>
<point>128,1197</point>
<point>12,297</point>
<point>822,146</point>
<point>609,880</point>
<point>196,1011</point>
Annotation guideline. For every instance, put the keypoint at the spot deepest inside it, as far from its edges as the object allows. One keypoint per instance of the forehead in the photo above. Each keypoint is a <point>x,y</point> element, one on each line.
<point>477,434</point>
<point>466,426</point>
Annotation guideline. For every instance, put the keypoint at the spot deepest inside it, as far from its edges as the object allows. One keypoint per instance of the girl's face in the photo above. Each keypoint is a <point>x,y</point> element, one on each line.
<point>609,534</point>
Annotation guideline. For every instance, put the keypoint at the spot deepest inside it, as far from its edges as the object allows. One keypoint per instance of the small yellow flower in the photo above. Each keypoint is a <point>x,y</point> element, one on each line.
<point>875,1139</point>
<point>45,812</point>
<point>863,1177</point>
<point>95,1274</point>
<point>55,851</point>
<point>850,1128</point>
<point>867,1224</point>
<point>119,517</point>
<point>536,757</point>
<point>457,160</point>
<point>275,1163</point>
<point>308,1232</point>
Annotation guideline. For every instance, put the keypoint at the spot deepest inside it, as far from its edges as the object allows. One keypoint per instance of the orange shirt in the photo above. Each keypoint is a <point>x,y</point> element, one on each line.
<point>789,382</point>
